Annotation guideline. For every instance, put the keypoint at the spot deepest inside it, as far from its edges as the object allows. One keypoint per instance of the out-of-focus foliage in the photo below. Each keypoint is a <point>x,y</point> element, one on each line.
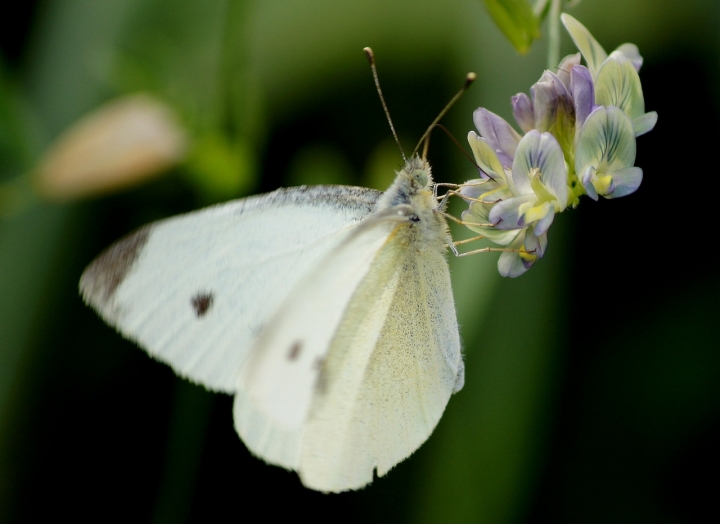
<point>516,20</point>
<point>592,388</point>
<point>120,144</point>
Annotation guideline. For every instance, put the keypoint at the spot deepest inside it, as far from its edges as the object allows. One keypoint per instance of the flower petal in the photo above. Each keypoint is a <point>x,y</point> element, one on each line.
<point>566,65</point>
<point>478,213</point>
<point>523,112</point>
<point>501,192</point>
<point>554,110</point>
<point>471,216</point>
<point>499,134</point>
<point>645,123</point>
<point>486,157</point>
<point>484,189</point>
<point>541,153</point>
<point>506,214</point>
<point>532,212</point>
<point>606,141</point>
<point>586,181</point>
<point>591,50</point>
<point>626,181</point>
<point>474,188</point>
<point>544,102</point>
<point>632,53</point>
<point>536,244</point>
<point>510,264</point>
<point>497,236</point>
<point>583,93</point>
<point>617,84</point>
<point>542,225</point>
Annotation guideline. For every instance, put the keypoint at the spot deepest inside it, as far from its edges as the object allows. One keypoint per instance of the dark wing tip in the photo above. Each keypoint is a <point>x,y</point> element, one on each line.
<point>102,277</point>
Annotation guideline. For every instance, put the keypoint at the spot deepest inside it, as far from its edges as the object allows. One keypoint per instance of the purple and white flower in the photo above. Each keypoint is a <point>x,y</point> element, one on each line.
<point>605,154</point>
<point>615,77</point>
<point>580,126</point>
<point>520,200</point>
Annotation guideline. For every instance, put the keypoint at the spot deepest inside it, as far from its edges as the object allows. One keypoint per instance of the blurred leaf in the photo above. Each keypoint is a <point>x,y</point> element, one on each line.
<point>29,248</point>
<point>16,151</point>
<point>320,164</point>
<point>117,145</point>
<point>221,169</point>
<point>176,48</point>
<point>516,20</point>
<point>66,75</point>
<point>245,113</point>
<point>33,247</point>
<point>193,54</point>
<point>542,7</point>
<point>315,45</point>
<point>16,196</point>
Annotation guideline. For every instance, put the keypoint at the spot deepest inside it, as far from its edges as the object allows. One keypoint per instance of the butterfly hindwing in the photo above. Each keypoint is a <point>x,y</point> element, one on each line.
<point>287,367</point>
<point>384,398</point>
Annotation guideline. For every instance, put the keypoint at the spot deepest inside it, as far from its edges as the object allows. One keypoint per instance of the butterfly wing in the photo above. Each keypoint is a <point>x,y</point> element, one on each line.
<point>361,390</point>
<point>383,399</point>
<point>286,368</point>
<point>196,290</point>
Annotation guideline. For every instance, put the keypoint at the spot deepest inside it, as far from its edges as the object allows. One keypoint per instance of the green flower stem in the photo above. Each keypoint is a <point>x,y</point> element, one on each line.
<point>554,35</point>
<point>539,7</point>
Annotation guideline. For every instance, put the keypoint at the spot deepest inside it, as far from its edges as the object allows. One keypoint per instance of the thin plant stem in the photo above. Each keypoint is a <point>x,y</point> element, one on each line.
<point>554,34</point>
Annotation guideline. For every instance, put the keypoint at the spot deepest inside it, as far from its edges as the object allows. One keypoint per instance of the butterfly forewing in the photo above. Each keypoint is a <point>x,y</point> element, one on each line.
<point>197,290</point>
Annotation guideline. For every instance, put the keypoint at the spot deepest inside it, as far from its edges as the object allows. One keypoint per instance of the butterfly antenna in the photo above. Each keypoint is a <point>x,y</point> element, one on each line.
<point>469,79</point>
<point>371,58</point>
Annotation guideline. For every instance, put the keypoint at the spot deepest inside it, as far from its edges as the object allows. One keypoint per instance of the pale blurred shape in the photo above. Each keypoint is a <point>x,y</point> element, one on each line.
<point>120,144</point>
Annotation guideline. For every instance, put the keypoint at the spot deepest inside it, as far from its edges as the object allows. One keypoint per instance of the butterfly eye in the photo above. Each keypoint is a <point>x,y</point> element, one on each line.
<point>420,176</point>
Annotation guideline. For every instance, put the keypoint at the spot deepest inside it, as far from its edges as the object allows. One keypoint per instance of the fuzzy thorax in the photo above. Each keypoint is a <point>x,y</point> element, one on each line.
<point>413,186</point>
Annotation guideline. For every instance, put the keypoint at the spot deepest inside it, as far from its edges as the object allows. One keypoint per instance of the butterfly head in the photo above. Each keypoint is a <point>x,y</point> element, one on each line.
<point>419,173</point>
<point>413,182</point>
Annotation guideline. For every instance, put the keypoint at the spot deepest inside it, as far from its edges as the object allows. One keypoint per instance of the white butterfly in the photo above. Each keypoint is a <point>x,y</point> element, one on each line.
<point>326,310</point>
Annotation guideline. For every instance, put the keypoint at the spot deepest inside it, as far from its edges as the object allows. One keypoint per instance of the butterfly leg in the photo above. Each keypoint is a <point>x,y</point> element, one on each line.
<point>486,250</point>
<point>462,222</point>
<point>453,245</point>
<point>442,184</point>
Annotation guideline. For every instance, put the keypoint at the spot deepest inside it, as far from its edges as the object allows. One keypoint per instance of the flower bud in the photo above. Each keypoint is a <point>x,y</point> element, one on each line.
<point>120,144</point>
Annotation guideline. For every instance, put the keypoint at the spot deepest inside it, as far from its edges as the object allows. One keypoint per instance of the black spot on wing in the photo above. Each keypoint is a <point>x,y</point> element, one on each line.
<point>201,303</point>
<point>294,352</point>
<point>102,277</point>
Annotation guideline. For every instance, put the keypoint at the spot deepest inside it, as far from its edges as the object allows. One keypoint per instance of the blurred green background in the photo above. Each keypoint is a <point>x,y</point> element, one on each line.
<point>592,389</point>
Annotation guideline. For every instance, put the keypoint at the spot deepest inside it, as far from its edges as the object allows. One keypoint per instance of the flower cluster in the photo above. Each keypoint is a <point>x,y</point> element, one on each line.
<point>579,126</point>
